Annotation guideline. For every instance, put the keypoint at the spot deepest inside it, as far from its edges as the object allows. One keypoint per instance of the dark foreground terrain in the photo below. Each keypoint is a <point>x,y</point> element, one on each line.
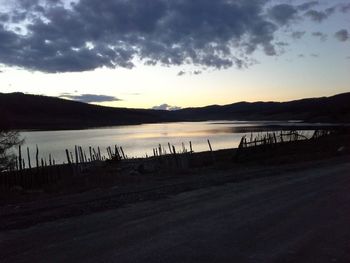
<point>280,202</point>
<point>294,213</point>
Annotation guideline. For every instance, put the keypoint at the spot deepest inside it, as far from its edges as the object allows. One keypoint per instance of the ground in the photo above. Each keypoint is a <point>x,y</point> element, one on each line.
<point>284,213</point>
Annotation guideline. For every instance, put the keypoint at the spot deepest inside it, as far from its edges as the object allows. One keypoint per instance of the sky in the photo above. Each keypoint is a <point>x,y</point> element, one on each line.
<point>171,54</point>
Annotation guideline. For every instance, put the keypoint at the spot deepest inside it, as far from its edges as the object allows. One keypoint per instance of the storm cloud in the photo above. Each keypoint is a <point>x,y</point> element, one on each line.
<point>52,36</point>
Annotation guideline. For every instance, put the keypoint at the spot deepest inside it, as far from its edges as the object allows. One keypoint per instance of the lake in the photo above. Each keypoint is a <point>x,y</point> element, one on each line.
<point>139,140</point>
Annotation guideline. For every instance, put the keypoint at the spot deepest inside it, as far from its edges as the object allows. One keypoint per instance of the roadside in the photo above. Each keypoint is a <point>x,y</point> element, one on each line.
<point>287,213</point>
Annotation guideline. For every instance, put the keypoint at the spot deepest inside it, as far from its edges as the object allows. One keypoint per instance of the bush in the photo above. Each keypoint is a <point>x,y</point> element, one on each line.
<point>8,139</point>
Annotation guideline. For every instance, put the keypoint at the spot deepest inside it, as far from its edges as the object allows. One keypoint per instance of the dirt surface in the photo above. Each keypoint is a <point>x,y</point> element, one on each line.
<point>291,213</point>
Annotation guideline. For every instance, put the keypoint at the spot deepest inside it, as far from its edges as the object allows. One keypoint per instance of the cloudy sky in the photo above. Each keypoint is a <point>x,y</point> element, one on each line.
<point>175,53</point>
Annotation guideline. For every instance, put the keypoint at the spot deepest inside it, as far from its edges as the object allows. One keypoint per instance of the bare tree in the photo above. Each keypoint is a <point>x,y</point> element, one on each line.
<point>8,139</point>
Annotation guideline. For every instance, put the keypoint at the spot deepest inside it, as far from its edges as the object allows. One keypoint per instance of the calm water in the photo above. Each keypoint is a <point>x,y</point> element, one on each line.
<point>139,140</point>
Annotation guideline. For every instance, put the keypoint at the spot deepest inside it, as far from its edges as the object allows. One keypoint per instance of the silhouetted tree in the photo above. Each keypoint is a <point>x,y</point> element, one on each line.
<point>8,139</point>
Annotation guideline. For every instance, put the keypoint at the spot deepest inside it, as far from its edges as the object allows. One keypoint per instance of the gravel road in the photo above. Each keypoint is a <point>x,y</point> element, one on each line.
<point>300,216</point>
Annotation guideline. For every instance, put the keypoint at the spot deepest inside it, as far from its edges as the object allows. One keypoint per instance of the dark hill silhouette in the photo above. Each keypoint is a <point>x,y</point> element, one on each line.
<point>23,111</point>
<point>325,109</point>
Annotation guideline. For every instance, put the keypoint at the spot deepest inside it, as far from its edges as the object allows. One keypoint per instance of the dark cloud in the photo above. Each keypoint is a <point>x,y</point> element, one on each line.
<point>298,34</point>
<point>114,33</point>
<point>4,17</point>
<point>89,98</point>
<point>317,16</point>
<point>166,107</point>
<point>320,35</point>
<point>283,13</point>
<point>342,35</point>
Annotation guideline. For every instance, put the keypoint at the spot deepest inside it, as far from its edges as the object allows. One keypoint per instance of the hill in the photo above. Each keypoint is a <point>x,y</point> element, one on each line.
<point>23,111</point>
<point>325,109</point>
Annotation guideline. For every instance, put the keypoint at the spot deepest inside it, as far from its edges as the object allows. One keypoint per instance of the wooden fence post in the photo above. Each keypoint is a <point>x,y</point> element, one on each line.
<point>29,164</point>
<point>99,153</point>
<point>20,157</point>
<point>169,147</point>
<point>121,149</point>
<point>68,159</point>
<point>90,151</point>
<point>76,155</point>
<point>37,157</point>
<point>175,156</point>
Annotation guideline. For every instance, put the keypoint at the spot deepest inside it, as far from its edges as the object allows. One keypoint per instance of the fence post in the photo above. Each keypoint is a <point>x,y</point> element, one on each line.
<point>37,156</point>
<point>29,164</point>
<point>209,146</point>
<point>169,147</point>
<point>121,149</point>
<point>68,159</point>
<point>20,157</point>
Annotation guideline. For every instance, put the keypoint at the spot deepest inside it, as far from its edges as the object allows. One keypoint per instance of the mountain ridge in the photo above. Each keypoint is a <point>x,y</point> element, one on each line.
<point>26,111</point>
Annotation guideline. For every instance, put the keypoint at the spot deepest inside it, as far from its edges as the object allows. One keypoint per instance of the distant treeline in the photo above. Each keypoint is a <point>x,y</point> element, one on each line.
<point>23,111</point>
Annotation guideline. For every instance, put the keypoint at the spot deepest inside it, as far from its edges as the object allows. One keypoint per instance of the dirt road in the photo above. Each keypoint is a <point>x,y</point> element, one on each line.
<point>300,216</point>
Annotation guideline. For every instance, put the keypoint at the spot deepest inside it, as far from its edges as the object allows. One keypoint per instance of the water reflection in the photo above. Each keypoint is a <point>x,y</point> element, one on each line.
<point>139,140</point>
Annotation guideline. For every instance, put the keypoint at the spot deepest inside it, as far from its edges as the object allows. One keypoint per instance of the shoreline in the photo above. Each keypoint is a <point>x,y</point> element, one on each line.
<point>291,123</point>
<point>111,185</point>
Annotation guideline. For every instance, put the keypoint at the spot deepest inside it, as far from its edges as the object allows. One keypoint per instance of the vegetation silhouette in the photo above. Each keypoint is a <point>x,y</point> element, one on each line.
<point>8,139</point>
